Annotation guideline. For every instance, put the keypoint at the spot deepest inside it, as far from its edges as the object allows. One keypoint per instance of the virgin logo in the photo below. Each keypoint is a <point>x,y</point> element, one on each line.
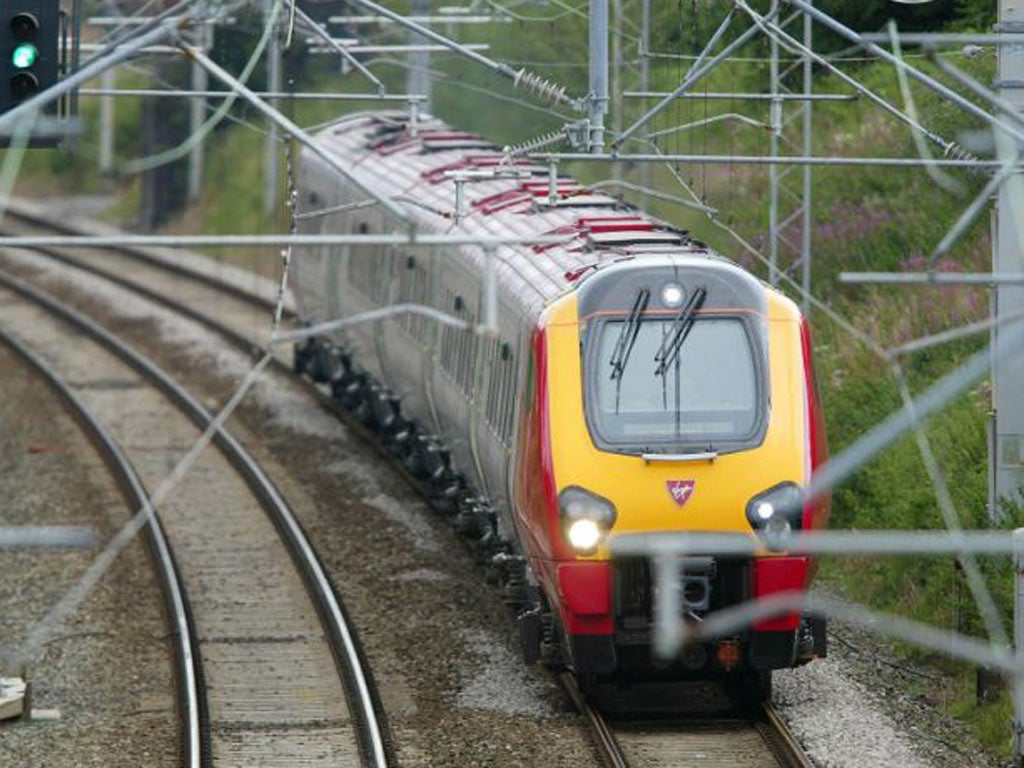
<point>680,490</point>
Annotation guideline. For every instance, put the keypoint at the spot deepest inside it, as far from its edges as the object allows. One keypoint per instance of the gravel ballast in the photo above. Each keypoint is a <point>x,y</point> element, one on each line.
<point>438,638</point>
<point>107,672</point>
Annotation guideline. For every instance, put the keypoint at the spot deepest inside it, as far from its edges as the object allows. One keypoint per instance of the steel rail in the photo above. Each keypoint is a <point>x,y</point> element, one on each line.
<point>611,753</point>
<point>784,746</point>
<point>139,254</point>
<point>780,739</point>
<point>366,710</point>
<point>192,702</point>
<point>770,726</point>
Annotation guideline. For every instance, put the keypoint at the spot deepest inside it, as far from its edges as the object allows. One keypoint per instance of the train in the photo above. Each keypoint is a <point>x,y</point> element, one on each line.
<point>632,381</point>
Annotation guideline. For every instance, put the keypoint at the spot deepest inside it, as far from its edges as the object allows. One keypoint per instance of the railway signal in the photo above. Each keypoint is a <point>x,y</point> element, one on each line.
<point>32,38</point>
<point>30,62</point>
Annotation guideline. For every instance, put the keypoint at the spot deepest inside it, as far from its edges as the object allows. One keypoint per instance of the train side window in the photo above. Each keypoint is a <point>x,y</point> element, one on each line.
<point>493,381</point>
<point>467,351</point>
<point>385,261</point>
<point>509,394</point>
<point>500,393</point>
<point>450,335</point>
<point>406,288</point>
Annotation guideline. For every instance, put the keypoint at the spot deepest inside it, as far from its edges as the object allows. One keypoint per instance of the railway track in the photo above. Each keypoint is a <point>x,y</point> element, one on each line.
<point>280,672</point>
<point>193,716</point>
<point>759,740</point>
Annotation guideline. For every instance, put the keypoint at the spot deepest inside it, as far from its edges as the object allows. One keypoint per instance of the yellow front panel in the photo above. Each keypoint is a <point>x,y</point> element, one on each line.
<point>639,491</point>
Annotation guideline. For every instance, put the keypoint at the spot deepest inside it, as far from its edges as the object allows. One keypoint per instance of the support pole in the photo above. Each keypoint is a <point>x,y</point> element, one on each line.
<point>645,77</point>
<point>806,254</point>
<point>774,172</point>
<point>289,127</point>
<point>1007,465</point>
<point>616,84</point>
<point>273,136</point>
<point>1018,648</point>
<point>598,96</point>
<point>418,80</point>
<point>109,82</point>
<point>197,111</point>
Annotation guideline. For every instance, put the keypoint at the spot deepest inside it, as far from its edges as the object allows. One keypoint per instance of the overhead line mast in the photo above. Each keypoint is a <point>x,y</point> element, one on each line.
<point>1007,454</point>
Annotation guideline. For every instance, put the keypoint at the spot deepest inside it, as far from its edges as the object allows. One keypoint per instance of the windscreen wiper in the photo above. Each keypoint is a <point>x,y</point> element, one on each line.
<point>627,338</point>
<point>681,327</point>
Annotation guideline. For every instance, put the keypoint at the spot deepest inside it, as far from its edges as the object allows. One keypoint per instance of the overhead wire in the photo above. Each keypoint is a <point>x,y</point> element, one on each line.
<point>176,153</point>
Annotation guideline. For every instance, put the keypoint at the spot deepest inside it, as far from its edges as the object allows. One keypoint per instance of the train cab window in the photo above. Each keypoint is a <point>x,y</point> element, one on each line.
<point>712,393</point>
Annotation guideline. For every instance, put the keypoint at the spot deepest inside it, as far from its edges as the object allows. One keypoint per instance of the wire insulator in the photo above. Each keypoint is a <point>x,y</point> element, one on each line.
<point>540,142</point>
<point>954,151</point>
<point>541,86</point>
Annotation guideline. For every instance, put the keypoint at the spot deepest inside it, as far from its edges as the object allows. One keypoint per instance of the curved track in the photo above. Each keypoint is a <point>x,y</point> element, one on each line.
<point>761,739</point>
<point>289,644</point>
<point>194,718</point>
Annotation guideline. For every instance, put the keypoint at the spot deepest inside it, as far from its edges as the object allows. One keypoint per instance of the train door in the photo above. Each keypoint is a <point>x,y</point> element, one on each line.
<point>453,378</point>
<point>495,406</point>
<point>309,264</point>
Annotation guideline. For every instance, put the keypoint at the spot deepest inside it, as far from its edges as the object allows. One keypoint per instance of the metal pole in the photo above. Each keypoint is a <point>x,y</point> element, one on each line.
<point>1008,259</point>
<point>346,54</point>
<point>927,80</point>
<point>774,172</point>
<point>288,126</point>
<point>273,138</point>
<point>616,83</point>
<point>837,162</point>
<point>418,79</point>
<point>197,112</point>
<point>109,82</point>
<point>538,85</point>
<point>645,75</point>
<point>598,96</point>
<point>699,69</point>
<point>808,220</point>
<point>405,98</point>
<point>1018,646</point>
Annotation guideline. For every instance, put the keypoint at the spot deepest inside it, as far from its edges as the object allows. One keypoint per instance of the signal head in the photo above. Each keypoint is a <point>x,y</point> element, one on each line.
<point>24,25</point>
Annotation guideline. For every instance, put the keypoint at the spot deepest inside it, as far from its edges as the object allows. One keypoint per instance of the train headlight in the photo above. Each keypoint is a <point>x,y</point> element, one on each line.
<point>584,535</point>
<point>777,512</point>
<point>672,295</point>
<point>586,518</point>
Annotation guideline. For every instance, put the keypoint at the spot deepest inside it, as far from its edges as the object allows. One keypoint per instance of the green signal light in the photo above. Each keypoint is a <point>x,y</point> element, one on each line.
<point>24,55</point>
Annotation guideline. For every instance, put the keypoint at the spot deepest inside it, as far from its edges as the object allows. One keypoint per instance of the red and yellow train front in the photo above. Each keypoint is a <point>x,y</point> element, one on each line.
<point>666,395</point>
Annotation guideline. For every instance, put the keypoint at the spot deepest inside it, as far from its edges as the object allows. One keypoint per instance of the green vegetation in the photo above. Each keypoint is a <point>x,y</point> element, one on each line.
<point>864,218</point>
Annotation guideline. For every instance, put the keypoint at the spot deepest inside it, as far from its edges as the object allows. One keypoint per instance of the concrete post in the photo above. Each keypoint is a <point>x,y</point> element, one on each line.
<point>645,80</point>
<point>774,171</point>
<point>418,80</point>
<point>197,112</point>
<point>1008,259</point>
<point>598,73</point>
<point>806,254</point>
<point>616,84</point>
<point>1018,648</point>
<point>273,135</point>
<point>109,81</point>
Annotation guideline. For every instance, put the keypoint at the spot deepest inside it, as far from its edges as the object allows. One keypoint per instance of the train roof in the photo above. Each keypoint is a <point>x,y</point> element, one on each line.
<point>503,198</point>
